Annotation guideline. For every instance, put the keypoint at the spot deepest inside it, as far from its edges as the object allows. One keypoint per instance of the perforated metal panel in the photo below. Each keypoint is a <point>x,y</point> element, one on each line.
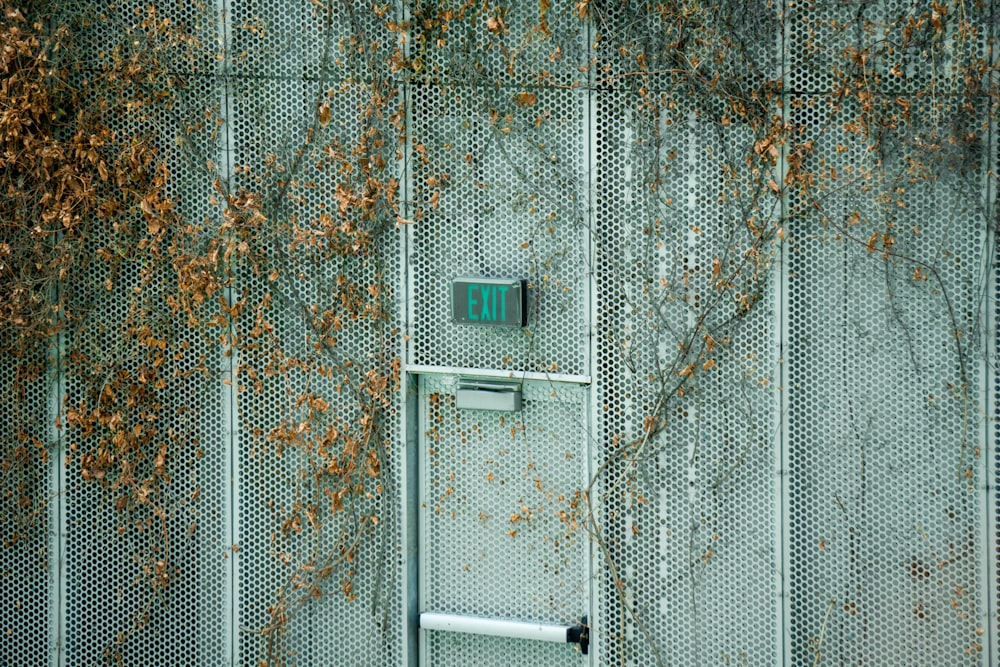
<point>501,517</point>
<point>115,547</point>
<point>884,503</point>
<point>134,575</point>
<point>689,514</point>
<point>884,518</point>
<point>29,486</point>
<point>501,192</point>
<point>996,455</point>
<point>111,556</point>
<point>530,45</point>
<point>348,571</point>
<point>356,618</point>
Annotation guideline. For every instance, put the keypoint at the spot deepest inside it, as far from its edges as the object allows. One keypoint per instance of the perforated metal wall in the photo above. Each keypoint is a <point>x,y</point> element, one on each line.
<point>141,551</point>
<point>112,610</point>
<point>133,575</point>
<point>814,493</point>
<point>282,357</point>
<point>356,620</point>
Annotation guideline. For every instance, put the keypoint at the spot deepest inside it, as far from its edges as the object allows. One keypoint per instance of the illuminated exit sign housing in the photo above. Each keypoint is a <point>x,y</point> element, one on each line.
<point>493,302</point>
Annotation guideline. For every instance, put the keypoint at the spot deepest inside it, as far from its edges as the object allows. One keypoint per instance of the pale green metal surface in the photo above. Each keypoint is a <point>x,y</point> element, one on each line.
<point>826,515</point>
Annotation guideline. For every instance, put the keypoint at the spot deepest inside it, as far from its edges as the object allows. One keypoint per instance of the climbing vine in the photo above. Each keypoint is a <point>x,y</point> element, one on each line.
<point>164,232</point>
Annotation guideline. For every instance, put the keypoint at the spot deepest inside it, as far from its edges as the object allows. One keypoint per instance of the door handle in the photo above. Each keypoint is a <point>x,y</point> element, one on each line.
<point>495,627</point>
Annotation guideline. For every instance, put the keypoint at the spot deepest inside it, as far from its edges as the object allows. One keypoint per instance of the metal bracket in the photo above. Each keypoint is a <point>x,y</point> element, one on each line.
<point>488,395</point>
<point>580,634</point>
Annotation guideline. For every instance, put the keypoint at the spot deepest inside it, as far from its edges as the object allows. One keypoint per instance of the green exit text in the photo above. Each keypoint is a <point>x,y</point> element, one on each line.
<point>483,300</point>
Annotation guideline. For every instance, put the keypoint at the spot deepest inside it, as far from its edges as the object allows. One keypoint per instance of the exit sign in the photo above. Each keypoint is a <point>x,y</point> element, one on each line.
<point>498,302</point>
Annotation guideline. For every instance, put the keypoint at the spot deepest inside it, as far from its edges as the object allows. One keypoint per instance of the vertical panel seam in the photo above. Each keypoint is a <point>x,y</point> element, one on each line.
<point>594,442</point>
<point>781,556</point>
<point>230,406</point>
<point>57,513</point>
<point>990,393</point>
<point>409,531</point>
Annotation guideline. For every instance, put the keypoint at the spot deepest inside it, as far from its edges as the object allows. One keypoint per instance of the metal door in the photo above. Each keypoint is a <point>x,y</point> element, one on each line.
<point>501,520</point>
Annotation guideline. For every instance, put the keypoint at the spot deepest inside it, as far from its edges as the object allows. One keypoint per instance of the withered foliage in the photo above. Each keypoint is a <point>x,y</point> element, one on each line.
<point>67,177</point>
<point>89,212</point>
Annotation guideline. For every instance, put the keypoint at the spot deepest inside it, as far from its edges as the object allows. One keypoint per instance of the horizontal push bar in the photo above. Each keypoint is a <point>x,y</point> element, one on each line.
<point>494,627</point>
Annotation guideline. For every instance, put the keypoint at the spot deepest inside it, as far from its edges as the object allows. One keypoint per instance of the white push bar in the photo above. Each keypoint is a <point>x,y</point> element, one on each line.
<point>430,620</point>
